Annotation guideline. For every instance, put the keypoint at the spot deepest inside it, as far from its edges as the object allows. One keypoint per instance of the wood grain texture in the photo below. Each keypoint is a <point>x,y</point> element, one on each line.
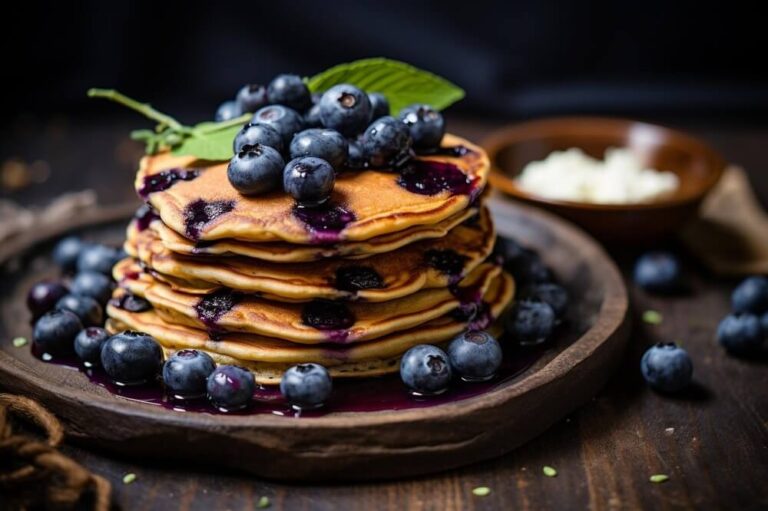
<point>717,456</point>
<point>352,446</point>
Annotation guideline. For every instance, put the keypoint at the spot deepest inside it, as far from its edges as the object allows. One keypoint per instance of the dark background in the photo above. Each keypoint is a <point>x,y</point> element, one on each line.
<point>514,58</point>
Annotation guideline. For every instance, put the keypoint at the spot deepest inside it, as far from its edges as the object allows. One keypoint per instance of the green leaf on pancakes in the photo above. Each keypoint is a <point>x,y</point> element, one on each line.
<point>401,83</point>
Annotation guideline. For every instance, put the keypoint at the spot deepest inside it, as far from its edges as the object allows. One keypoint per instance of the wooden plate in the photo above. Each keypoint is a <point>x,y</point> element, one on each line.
<point>337,446</point>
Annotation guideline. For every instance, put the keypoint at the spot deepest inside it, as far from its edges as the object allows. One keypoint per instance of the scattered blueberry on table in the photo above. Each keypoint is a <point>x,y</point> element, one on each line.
<point>751,296</point>
<point>658,272</point>
<point>667,367</point>
<point>306,386</point>
<point>741,334</point>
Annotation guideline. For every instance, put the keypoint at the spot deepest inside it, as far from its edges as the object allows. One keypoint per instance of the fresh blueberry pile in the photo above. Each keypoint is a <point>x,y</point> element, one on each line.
<point>745,330</point>
<point>300,141</point>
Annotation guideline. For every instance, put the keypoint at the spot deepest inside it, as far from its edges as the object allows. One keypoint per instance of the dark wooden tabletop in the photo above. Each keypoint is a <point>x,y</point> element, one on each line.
<point>712,441</point>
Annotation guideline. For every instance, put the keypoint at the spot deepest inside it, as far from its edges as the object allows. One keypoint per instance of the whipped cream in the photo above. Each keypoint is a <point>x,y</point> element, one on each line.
<point>572,175</point>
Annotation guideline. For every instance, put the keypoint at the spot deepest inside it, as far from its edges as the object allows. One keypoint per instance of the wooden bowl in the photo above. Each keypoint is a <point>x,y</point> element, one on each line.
<point>697,165</point>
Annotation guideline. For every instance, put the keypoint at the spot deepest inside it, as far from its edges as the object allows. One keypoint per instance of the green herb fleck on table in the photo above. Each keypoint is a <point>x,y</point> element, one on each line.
<point>18,342</point>
<point>129,478</point>
<point>549,471</point>
<point>658,478</point>
<point>263,503</point>
<point>481,491</point>
<point>652,317</point>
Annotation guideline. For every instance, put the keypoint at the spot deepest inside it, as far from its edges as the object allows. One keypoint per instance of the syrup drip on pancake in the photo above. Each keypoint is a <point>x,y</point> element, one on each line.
<point>131,303</point>
<point>165,179</point>
<point>212,307</point>
<point>357,278</point>
<point>446,261</point>
<point>200,212</point>
<point>433,177</point>
<point>325,222</point>
<point>144,216</point>
<point>472,309</point>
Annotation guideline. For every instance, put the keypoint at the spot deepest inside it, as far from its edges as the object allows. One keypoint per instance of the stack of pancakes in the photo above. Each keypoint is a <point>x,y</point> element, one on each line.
<point>394,259</point>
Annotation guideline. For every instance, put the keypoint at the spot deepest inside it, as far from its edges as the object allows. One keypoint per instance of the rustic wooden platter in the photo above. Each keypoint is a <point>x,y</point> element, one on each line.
<point>335,446</point>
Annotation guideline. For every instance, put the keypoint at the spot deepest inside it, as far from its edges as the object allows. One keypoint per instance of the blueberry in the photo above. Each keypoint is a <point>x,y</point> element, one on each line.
<point>326,144</point>
<point>291,91</point>
<point>309,180</point>
<point>346,109</point>
<point>527,268</point>
<point>764,324</point>
<point>55,332</point>
<point>306,386</point>
<point>751,296</point>
<point>666,367</point>
<point>740,334</point>
<point>228,111</point>
<point>254,134</point>
<point>426,125</point>
<point>286,121</point>
<point>251,97</point>
<point>531,322</point>
<point>96,285</point>
<point>186,373</point>
<point>507,250</point>
<point>42,297</point>
<point>475,356</point>
<point>379,105</point>
<point>66,251</point>
<point>386,142</point>
<point>230,387</point>
<point>425,370</point>
<point>131,358</point>
<point>88,345</point>
<point>355,156</point>
<point>98,258</point>
<point>658,272</point>
<point>255,169</point>
<point>312,117</point>
<point>86,308</point>
<point>550,293</point>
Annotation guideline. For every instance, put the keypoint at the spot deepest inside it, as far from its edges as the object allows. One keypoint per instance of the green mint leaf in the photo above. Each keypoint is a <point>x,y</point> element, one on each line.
<point>205,144</point>
<point>401,83</point>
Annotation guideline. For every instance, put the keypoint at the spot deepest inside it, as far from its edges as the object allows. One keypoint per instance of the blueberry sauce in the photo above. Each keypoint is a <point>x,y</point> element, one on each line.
<point>325,222</point>
<point>427,177</point>
<point>452,151</point>
<point>213,306</point>
<point>446,261</point>
<point>131,303</point>
<point>199,213</point>
<point>327,315</point>
<point>165,179</point>
<point>351,396</point>
<point>144,216</point>
<point>357,278</point>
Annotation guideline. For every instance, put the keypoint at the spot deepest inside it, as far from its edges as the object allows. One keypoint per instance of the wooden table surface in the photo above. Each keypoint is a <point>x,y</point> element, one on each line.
<point>712,441</point>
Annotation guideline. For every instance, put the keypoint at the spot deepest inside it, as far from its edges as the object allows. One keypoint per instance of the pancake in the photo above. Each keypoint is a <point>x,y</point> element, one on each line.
<point>196,200</point>
<point>282,252</point>
<point>424,265</point>
<point>268,357</point>
<point>248,314</point>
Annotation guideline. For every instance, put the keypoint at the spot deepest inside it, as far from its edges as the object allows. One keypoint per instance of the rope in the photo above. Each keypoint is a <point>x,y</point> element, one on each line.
<point>32,462</point>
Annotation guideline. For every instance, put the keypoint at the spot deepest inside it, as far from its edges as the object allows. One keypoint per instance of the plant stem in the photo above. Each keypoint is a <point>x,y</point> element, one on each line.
<point>142,108</point>
<point>237,121</point>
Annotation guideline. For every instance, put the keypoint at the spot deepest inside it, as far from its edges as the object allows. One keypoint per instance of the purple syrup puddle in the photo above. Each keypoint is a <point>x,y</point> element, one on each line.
<point>325,221</point>
<point>427,177</point>
<point>349,396</point>
<point>446,261</point>
<point>213,306</point>
<point>131,303</point>
<point>201,212</point>
<point>165,179</point>
<point>456,151</point>
<point>357,278</point>
<point>144,216</point>
<point>327,315</point>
